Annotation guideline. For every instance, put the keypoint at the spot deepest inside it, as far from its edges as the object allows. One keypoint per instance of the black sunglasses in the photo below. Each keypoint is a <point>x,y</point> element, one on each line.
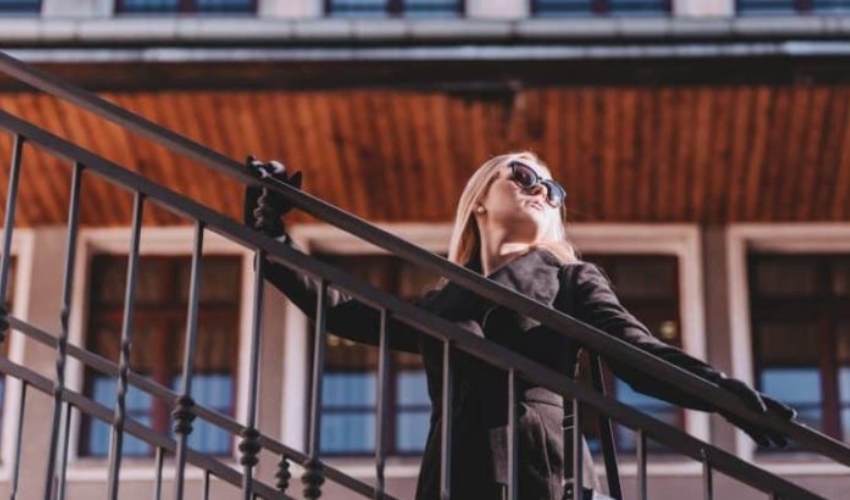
<point>526,178</point>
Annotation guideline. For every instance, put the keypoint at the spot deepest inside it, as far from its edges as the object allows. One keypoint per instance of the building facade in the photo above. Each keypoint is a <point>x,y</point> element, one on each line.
<point>702,144</point>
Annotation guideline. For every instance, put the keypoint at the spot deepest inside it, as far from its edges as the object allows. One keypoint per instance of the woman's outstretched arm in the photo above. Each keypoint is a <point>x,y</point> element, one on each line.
<point>598,305</point>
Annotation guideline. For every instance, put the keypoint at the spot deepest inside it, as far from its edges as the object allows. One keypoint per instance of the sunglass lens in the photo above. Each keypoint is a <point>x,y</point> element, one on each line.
<point>555,193</point>
<point>524,175</point>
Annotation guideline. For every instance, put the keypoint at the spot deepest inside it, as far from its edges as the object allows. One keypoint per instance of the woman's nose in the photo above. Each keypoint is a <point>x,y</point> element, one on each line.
<point>537,190</point>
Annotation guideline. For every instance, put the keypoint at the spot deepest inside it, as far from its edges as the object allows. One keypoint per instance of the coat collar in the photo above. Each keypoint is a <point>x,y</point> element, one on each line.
<point>533,274</point>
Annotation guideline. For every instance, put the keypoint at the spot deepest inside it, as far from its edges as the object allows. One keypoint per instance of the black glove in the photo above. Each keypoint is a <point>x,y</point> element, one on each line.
<point>263,207</point>
<point>762,404</point>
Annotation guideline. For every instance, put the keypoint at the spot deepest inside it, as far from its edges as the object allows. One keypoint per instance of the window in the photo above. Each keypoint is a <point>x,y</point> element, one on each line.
<point>801,335</point>
<point>186,6</point>
<point>350,386</point>
<point>581,8</point>
<point>158,340</point>
<point>20,6</point>
<point>648,286</point>
<point>395,8</point>
<point>793,6</point>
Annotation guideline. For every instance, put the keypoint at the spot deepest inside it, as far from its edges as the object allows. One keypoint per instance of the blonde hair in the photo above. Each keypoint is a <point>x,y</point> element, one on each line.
<point>465,242</point>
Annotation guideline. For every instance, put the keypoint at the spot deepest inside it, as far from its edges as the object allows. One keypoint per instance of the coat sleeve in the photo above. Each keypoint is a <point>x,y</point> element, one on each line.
<point>598,305</point>
<point>346,316</point>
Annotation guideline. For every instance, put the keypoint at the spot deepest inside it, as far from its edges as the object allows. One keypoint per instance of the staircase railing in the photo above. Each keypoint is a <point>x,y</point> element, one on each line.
<point>452,336</point>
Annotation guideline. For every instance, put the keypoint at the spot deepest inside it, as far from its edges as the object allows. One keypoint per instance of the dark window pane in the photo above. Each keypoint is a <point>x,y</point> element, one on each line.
<point>349,390</point>
<point>20,6</point>
<point>357,7</point>
<point>766,6</point>
<point>159,331</point>
<point>138,404</point>
<point>843,338</point>
<point>841,278</point>
<point>412,388</point>
<point>224,6</point>
<point>578,8</point>
<point>213,391</point>
<point>410,8</point>
<point>787,342</point>
<point>349,433</point>
<point>784,277</point>
<point>150,5</point>
<point>412,430</point>
<point>175,6</point>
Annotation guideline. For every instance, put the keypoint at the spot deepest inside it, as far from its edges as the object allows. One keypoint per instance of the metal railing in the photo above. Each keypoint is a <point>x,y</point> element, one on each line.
<point>453,337</point>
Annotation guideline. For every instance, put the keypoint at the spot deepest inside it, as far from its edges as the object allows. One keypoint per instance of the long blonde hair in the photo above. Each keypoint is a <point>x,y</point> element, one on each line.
<point>465,243</point>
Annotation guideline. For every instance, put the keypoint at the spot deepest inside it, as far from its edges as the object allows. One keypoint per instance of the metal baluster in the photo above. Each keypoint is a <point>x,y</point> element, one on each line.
<point>707,483</point>
<point>642,487</point>
<point>446,431</point>
<point>16,463</point>
<point>8,229</point>
<point>59,423</point>
<point>313,477</point>
<point>120,415</point>
<point>206,485</point>
<point>606,433</point>
<point>63,457</point>
<point>577,451</point>
<point>383,392</point>
<point>250,445</point>
<point>158,466</point>
<point>184,412</point>
<point>513,485</point>
<point>283,475</point>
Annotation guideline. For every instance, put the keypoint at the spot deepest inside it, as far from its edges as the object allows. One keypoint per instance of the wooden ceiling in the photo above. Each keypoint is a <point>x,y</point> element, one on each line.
<point>706,154</point>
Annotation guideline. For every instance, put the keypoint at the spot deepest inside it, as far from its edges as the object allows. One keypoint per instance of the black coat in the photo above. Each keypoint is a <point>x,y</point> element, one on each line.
<point>479,452</point>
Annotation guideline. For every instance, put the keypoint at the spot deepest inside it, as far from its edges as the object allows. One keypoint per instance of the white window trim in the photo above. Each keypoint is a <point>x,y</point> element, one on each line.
<point>681,240</point>
<point>791,238</point>
<point>22,249</point>
<point>166,241</point>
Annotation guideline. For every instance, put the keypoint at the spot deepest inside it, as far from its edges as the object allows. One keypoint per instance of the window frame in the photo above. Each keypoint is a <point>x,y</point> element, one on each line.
<point>799,8</point>
<point>598,9</point>
<point>163,241</point>
<point>184,7</point>
<point>39,4</point>
<point>796,238</point>
<point>22,251</point>
<point>682,240</point>
<point>395,9</point>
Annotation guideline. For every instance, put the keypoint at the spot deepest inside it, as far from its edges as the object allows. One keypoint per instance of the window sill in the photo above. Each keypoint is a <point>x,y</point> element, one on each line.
<point>364,467</point>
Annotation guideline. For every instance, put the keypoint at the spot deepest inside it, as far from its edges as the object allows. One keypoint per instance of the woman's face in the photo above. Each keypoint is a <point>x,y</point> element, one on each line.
<point>510,207</point>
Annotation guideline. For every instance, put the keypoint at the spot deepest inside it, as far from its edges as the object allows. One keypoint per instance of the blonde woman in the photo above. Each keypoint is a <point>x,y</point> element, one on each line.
<point>510,228</point>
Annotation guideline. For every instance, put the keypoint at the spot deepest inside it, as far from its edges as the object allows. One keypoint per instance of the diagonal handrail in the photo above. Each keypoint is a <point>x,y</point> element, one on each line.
<point>409,314</point>
<point>595,339</point>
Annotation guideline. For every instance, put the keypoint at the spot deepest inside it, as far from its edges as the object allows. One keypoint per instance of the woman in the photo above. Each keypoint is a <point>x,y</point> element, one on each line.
<point>510,228</point>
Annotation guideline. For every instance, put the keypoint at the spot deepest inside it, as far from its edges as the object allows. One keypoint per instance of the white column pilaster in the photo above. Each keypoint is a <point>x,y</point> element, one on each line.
<point>498,9</point>
<point>77,8</point>
<point>704,8</point>
<point>290,9</point>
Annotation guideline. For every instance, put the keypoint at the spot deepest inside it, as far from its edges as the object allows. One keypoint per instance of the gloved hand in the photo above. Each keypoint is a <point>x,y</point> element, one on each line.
<point>762,404</point>
<point>263,207</point>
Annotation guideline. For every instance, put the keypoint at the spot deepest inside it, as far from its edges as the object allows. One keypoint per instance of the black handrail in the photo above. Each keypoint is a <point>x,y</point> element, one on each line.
<point>404,312</point>
<point>598,341</point>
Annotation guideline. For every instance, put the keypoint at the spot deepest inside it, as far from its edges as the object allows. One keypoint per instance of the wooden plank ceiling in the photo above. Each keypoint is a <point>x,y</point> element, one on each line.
<point>706,154</point>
